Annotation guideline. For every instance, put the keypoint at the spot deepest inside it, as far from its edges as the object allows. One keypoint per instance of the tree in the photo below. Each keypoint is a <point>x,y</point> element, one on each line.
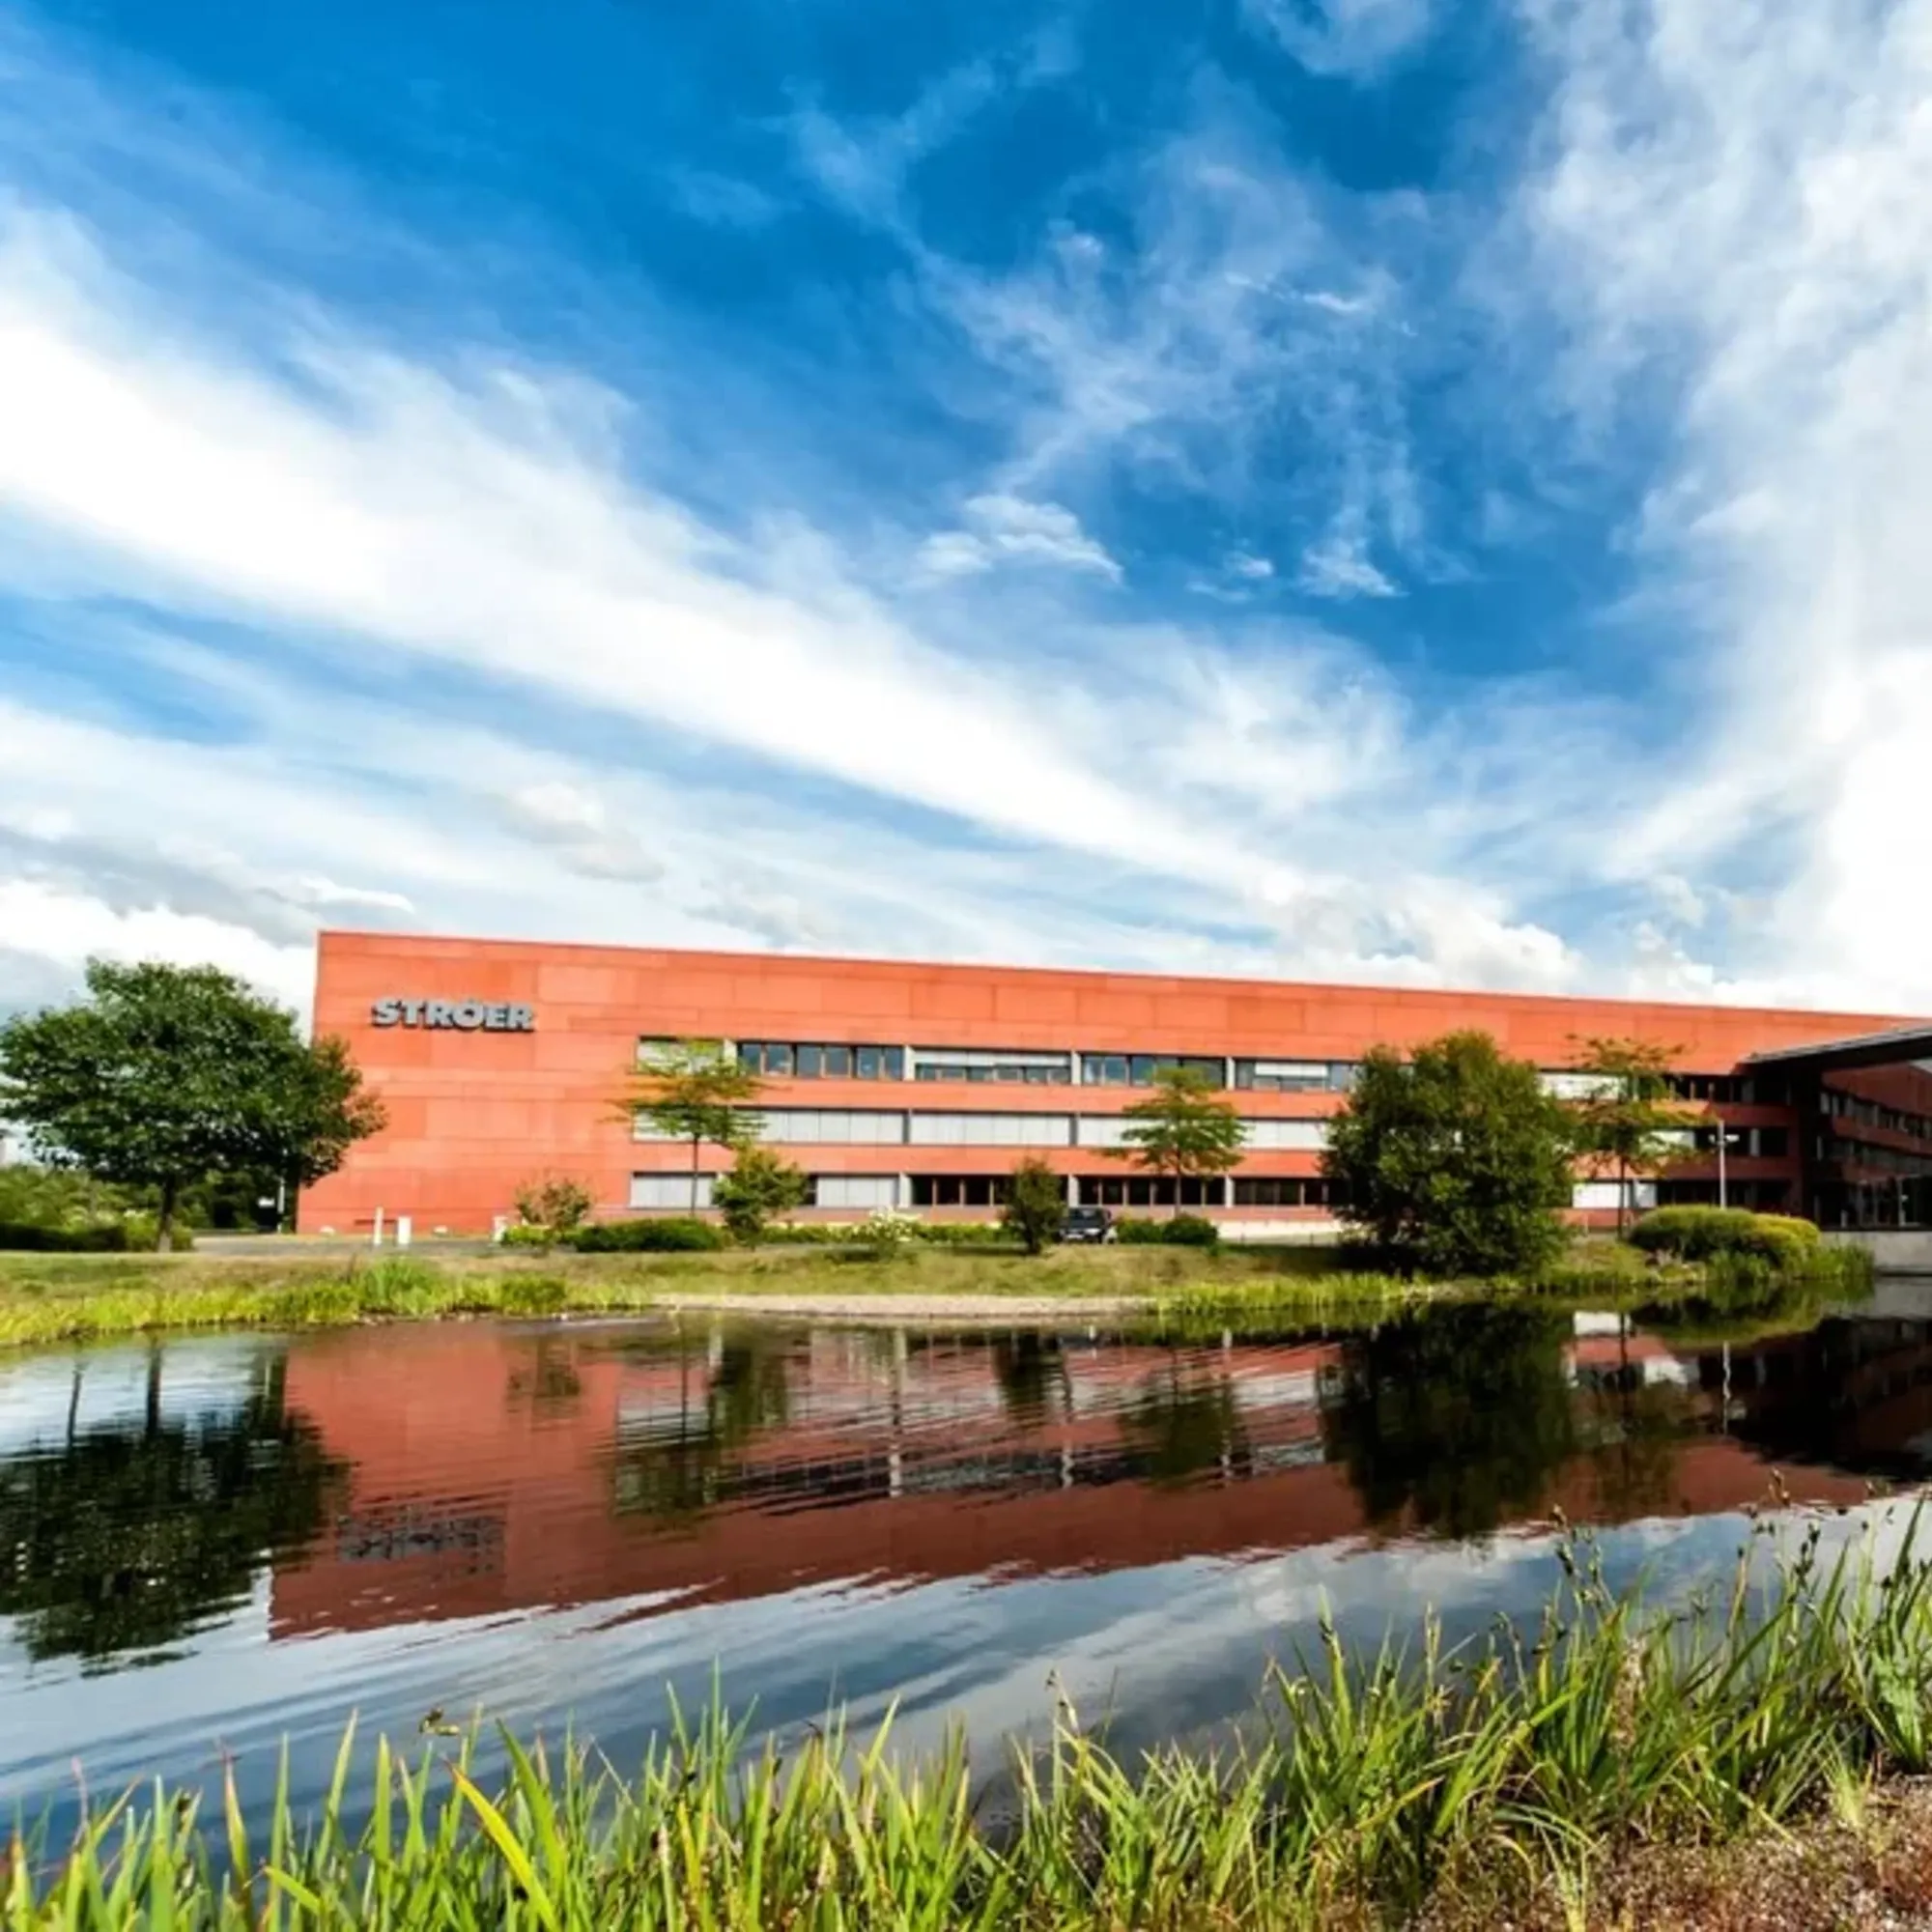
<point>760,1187</point>
<point>1182,1129</point>
<point>692,1089</point>
<point>1628,1116</point>
<point>1454,1161</point>
<point>554,1203</point>
<point>167,1074</point>
<point>1035,1210</point>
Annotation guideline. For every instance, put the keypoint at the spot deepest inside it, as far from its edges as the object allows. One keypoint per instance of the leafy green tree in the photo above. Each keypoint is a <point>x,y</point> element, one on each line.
<point>165,1074</point>
<point>1035,1210</point>
<point>1454,1161</point>
<point>1182,1129</point>
<point>554,1202</point>
<point>1628,1117</point>
<point>760,1187</point>
<point>692,1089</point>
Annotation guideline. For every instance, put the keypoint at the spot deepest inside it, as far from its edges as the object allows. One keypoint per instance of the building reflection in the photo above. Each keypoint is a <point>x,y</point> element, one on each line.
<point>739,1466</point>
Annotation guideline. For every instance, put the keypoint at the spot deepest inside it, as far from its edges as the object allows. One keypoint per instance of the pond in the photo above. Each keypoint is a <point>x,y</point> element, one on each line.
<point>210,1545</point>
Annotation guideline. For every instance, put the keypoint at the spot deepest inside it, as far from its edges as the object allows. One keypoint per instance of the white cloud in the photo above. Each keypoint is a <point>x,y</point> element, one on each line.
<point>1002,529</point>
<point>1354,38</point>
<point>1244,564</point>
<point>1733,213</point>
<point>577,827</point>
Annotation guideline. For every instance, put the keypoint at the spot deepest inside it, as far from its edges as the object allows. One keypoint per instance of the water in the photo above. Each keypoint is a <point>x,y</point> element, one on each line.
<point>210,1545</point>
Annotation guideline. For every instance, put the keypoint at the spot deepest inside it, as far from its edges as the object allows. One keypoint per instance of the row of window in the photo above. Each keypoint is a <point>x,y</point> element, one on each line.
<point>843,1126</point>
<point>1761,1197</point>
<point>803,1060</point>
<point>1842,1106</point>
<point>1752,1143</point>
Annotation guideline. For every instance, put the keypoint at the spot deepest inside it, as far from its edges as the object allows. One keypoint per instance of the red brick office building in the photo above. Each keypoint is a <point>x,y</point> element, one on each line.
<point>920,1086</point>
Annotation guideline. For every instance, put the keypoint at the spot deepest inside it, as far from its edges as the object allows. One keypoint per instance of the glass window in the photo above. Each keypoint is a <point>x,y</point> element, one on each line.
<point>895,1063</point>
<point>810,1062</point>
<point>865,1061</point>
<point>837,1063</point>
<point>778,1061</point>
<point>670,1192</point>
<point>751,1054</point>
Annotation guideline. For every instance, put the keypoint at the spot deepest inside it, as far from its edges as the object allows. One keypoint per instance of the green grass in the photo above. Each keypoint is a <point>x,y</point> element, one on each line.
<point>54,1298</point>
<point>1370,1789</point>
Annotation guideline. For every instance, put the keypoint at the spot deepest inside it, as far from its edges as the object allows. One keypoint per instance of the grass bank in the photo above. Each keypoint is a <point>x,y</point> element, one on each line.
<point>1605,1767</point>
<point>53,1299</point>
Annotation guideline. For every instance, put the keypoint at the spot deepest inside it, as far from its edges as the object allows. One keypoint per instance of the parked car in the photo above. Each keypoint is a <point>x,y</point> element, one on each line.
<point>1087,1224</point>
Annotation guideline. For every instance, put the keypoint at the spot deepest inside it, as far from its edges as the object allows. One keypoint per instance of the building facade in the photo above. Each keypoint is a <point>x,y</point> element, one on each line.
<point>920,1086</point>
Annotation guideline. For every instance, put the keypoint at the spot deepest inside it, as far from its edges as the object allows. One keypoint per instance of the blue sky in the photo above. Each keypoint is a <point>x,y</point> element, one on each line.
<point>1348,489</point>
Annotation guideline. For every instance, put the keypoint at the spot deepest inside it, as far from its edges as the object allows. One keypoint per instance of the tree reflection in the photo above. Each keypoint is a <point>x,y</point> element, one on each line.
<point>1031,1373</point>
<point>671,1469</point>
<point>1460,1416</point>
<point>1187,1421</point>
<point>131,1536</point>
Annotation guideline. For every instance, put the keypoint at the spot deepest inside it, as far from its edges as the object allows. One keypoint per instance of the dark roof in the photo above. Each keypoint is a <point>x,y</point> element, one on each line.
<point>1865,1049</point>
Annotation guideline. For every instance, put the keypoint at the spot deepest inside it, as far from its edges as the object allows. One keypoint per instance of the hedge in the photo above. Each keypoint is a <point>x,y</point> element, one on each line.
<point>674,1235</point>
<point>1181,1230</point>
<point>135,1234</point>
<point>1703,1233</point>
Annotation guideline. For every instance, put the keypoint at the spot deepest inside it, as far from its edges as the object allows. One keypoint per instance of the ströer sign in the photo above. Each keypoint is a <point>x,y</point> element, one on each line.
<point>464,1016</point>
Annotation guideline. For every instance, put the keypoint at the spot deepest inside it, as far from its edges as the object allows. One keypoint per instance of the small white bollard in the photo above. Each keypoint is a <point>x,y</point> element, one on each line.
<point>402,1230</point>
<point>376,1235</point>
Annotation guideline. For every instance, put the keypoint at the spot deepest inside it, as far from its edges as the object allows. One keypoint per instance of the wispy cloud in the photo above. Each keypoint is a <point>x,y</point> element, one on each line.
<point>1355,39</point>
<point>1003,529</point>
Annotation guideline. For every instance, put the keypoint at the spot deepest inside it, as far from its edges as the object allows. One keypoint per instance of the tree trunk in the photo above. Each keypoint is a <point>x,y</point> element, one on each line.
<point>154,1409</point>
<point>1623,1195</point>
<point>696,1145</point>
<point>164,1220</point>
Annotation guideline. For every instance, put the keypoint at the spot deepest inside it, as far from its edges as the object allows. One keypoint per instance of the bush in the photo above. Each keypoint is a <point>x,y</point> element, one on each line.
<point>528,1234</point>
<point>554,1204</point>
<point>1035,1205</point>
<point>964,1234</point>
<point>674,1235</point>
<point>1181,1231</point>
<point>885,1230</point>
<point>1695,1234</point>
<point>760,1186</point>
<point>132,1233</point>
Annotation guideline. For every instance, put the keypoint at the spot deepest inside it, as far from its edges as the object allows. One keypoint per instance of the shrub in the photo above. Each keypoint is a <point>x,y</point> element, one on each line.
<point>554,1203</point>
<point>132,1233</point>
<point>1181,1231</point>
<point>529,1235</point>
<point>1035,1205</point>
<point>885,1230</point>
<point>1695,1233</point>
<point>964,1234</point>
<point>760,1186</point>
<point>674,1234</point>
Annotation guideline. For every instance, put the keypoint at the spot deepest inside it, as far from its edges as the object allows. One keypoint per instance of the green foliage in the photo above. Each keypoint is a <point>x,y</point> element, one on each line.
<point>887,1232</point>
<point>1181,1230</point>
<point>1036,1205</point>
<point>692,1090</point>
<point>670,1235</point>
<point>554,1204</point>
<point>165,1074</point>
<point>1697,1233</point>
<point>1182,1129</point>
<point>528,1234</point>
<point>1396,1785</point>
<point>1628,1120</point>
<point>760,1186</point>
<point>1453,1161</point>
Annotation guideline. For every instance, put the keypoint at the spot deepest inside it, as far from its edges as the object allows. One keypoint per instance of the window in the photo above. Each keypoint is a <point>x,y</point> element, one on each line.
<point>1571,1085</point>
<point>959,1063</point>
<point>1138,1069</point>
<point>1595,1196</point>
<point>1296,1136</point>
<point>865,1191</point>
<point>1295,1076</point>
<point>1149,1190</point>
<point>1014,1130</point>
<point>833,1126</point>
<point>785,1059</point>
<point>669,1192</point>
<point>1280,1191</point>
<point>958,1190</point>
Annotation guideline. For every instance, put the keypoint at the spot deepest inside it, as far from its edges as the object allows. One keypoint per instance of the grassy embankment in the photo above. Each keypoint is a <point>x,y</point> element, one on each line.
<point>1747,1764</point>
<point>50,1298</point>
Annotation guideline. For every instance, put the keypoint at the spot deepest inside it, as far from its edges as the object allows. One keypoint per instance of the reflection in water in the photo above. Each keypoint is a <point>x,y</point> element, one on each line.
<point>121,1541</point>
<point>558,1518</point>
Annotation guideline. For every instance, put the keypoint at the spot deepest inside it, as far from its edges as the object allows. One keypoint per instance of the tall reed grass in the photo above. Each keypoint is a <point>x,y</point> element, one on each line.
<point>1373,1786</point>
